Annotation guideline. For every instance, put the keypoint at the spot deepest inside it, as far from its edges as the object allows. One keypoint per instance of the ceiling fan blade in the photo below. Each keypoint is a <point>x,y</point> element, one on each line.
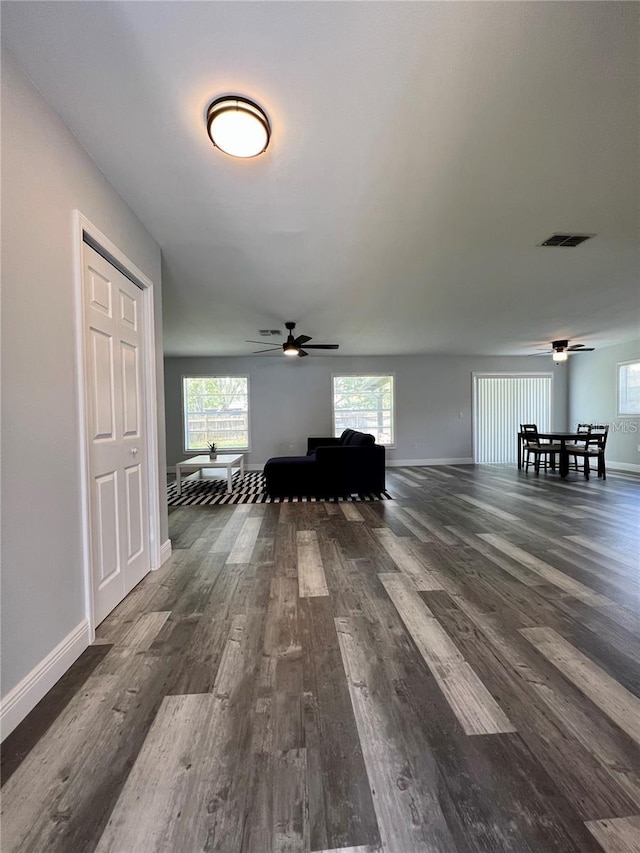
<point>272,349</point>
<point>301,340</point>
<point>261,342</point>
<point>323,346</point>
<point>582,349</point>
<point>302,353</point>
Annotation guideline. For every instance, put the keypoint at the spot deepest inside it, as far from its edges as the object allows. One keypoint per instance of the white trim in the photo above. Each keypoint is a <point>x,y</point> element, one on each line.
<point>620,364</point>
<point>390,463</point>
<point>165,552</point>
<point>80,224</point>
<point>183,376</point>
<point>15,706</point>
<point>415,463</point>
<point>623,466</point>
<point>151,399</point>
<point>381,373</point>
<point>83,447</point>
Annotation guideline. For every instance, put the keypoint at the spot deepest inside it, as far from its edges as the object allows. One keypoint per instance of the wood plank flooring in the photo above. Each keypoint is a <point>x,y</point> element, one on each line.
<point>453,671</point>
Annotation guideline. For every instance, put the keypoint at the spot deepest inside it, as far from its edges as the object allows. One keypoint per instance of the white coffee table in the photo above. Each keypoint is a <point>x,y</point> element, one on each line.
<point>222,460</point>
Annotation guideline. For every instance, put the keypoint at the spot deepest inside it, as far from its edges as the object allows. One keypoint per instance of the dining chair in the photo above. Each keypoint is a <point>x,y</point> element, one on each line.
<point>583,429</point>
<point>594,447</point>
<point>539,450</point>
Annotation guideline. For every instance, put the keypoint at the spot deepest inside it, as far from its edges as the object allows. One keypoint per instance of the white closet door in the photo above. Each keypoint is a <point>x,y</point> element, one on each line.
<point>117,435</point>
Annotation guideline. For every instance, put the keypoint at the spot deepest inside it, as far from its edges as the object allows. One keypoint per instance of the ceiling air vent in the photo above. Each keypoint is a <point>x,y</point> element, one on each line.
<point>566,239</point>
<point>267,333</point>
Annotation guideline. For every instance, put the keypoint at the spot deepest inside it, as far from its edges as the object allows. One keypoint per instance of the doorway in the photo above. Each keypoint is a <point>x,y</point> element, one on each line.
<point>118,401</point>
<point>503,401</point>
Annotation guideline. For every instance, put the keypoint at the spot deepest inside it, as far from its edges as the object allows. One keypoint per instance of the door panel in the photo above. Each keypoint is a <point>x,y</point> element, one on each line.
<point>130,395</point>
<point>117,431</point>
<point>108,548</point>
<point>128,312</point>
<point>99,292</point>
<point>103,380</point>
<point>135,525</point>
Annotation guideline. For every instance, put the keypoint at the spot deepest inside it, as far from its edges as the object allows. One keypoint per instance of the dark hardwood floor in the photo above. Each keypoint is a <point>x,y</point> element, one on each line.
<point>457,669</point>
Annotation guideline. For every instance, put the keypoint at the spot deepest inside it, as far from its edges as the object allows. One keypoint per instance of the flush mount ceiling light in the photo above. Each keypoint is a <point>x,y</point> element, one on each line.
<point>237,126</point>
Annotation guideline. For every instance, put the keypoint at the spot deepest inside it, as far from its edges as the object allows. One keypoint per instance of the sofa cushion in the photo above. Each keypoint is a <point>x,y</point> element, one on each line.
<point>345,438</point>
<point>361,439</point>
<point>343,470</point>
<point>291,461</point>
<point>291,475</point>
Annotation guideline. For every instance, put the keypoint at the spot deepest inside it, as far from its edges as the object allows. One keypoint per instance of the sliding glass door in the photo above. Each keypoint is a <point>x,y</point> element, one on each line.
<point>501,402</point>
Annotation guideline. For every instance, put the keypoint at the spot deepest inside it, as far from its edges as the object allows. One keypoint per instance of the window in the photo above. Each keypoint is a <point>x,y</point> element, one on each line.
<point>216,409</point>
<point>629,388</point>
<point>364,403</point>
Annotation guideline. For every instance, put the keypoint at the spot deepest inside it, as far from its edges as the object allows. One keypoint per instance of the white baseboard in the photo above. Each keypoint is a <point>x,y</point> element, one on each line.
<point>411,463</point>
<point>623,466</point>
<point>165,551</point>
<point>401,463</point>
<point>463,460</point>
<point>15,706</point>
<point>390,463</point>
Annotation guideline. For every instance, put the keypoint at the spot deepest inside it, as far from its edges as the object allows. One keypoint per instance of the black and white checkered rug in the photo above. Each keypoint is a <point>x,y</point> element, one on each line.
<point>249,490</point>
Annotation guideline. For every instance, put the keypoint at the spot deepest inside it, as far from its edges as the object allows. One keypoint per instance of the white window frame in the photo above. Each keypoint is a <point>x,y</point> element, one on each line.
<point>391,375</point>
<point>184,376</point>
<point>619,367</point>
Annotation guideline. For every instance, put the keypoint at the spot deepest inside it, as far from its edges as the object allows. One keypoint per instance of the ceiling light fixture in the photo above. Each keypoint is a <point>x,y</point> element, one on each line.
<point>560,355</point>
<point>291,349</point>
<point>237,126</point>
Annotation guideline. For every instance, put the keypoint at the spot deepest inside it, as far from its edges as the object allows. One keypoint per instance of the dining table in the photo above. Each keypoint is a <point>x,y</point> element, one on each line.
<point>555,437</point>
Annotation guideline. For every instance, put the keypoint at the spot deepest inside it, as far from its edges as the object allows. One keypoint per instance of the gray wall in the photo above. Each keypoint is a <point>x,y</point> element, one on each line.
<point>45,175</point>
<point>291,399</point>
<point>593,399</point>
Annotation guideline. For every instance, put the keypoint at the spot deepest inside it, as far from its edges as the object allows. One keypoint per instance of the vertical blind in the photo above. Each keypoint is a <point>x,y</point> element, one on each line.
<point>502,403</point>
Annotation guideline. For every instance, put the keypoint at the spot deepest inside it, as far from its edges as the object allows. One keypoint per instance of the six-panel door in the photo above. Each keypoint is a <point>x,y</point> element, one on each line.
<point>117,434</point>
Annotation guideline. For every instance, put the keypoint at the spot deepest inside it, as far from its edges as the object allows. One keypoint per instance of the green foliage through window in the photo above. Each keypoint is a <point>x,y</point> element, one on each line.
<point>364,403</point>
<point>216,409</point>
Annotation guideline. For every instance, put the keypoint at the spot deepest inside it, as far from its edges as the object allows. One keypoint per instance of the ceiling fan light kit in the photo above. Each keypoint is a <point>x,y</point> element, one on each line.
<point>293,346</point>
<point>238,126</point>
<point>560,350</point>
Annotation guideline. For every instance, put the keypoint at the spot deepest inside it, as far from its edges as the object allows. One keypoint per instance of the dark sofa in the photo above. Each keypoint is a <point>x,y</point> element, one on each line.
<point>353,463</point>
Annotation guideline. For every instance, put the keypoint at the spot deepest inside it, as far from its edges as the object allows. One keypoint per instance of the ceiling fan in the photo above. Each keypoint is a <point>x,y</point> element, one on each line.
<point>560,350</point>
<point>293,346</point>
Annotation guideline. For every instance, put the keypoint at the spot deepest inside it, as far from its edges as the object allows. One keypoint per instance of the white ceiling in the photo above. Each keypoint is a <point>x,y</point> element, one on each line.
<point>420,151</point>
